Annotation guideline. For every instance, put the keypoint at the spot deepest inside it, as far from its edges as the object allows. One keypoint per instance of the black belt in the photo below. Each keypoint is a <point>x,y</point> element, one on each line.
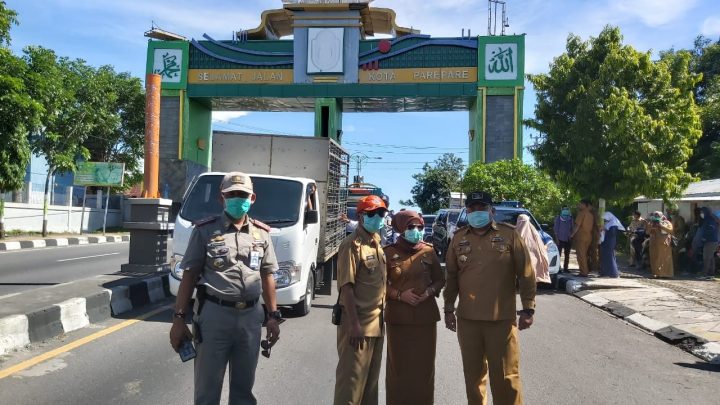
<point>231,304</point>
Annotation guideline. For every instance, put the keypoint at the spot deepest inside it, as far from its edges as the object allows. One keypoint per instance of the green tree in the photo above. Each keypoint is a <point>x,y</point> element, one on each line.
<point>19,115</point>
<point>514,181</point>
<point>72,99</point>
<point>433,186</point>
<point>613,123</point>
<point>705,160</point>
<point>8,18</point>
<point>119,134</point>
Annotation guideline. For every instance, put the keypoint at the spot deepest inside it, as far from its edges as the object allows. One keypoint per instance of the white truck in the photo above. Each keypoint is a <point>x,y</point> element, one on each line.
<point>300,183</point>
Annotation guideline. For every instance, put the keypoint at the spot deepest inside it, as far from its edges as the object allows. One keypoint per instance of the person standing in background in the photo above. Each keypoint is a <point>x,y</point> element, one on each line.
<point>637,230</point>
<point>679,230</point>
<point>660,230</point>
<point>582,235</point>
<point>608,262</point>
<point>709,226</point>
<point>563,228</point>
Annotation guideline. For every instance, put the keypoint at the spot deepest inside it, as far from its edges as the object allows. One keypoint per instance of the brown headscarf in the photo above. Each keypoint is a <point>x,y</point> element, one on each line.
<point>400,222</point>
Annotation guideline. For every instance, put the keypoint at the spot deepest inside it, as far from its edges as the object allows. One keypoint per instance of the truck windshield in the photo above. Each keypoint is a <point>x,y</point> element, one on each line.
<point>277,203</point>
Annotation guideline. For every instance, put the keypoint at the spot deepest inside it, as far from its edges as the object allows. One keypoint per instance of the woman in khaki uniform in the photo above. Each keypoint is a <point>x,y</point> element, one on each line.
<point>414,280</point>
<point>661,263</point>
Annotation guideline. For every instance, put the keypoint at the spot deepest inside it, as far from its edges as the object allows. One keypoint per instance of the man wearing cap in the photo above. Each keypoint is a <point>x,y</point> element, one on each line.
<point>361,279</point>
<point>230,258</point>
<point>484,261</point>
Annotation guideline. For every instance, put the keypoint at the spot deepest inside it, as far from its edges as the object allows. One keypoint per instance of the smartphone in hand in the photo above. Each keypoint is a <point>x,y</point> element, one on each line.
<point>187,351</point>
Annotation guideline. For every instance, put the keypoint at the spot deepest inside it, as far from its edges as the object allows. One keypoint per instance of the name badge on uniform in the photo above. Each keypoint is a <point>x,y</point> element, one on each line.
<point>254,259</point>
<point>464,243</point>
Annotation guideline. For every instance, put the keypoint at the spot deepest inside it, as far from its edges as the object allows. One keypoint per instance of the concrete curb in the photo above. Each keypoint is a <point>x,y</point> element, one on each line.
<point>698,346</point>
<point>17,331</point>
<point>53,242</point>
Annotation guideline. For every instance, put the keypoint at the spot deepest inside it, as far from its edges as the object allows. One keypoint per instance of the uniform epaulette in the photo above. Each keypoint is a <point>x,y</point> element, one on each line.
<point>260,225</point>
<point>426,243</point>
<point>204,221</point>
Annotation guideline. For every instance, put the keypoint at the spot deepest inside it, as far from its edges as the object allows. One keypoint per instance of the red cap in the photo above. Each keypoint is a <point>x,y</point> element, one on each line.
<point>370,203</point>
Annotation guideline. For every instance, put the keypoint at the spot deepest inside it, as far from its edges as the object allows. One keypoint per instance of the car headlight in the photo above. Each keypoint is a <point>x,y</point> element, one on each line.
<point>552,253</point>
<point>288,274</point>
<point>175,271</point>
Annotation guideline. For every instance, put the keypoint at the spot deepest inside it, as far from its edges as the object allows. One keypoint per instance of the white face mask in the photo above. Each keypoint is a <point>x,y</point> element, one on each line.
<point>702,215</point>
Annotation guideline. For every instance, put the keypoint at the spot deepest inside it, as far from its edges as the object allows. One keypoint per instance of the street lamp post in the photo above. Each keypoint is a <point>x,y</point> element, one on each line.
<point>359,158</point>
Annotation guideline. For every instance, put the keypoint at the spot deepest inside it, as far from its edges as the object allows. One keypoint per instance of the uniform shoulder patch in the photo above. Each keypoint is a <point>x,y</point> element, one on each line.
<point>204,221</point>
<point>260,225</point>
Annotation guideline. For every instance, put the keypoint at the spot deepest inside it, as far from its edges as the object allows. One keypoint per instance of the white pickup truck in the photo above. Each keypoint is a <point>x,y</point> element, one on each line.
<point>306,229</point>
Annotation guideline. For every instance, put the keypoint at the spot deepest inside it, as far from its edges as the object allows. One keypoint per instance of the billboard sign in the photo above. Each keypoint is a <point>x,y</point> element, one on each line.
<point>103,174</point>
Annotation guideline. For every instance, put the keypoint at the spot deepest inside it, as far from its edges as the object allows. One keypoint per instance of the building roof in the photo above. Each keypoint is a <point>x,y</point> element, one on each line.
<point>278,23</point>
<point>706,190</point>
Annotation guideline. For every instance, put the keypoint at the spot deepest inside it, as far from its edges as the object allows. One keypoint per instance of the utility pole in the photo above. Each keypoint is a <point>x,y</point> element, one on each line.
<point>359,158</point>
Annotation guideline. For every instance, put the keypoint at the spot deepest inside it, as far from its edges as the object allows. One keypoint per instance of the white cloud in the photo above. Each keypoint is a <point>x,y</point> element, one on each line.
<point>711,26</point>
<point>227,116</point>
<point>655,12</point>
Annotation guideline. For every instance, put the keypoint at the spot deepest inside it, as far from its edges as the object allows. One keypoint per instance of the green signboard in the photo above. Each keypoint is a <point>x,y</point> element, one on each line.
<point>101,174</point>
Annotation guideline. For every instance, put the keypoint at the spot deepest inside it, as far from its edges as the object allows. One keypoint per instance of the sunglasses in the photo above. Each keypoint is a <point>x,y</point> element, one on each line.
<point>266,348</point>
<point>418,227</point>
<point>380,212</point>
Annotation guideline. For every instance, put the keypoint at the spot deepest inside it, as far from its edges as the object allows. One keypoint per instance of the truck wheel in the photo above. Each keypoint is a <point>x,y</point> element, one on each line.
<point>302,308</point>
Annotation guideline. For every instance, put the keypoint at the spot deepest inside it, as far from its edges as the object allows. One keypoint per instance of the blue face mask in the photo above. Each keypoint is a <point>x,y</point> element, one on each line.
<point>565,213</point>
<point>413,235</point>
<point>237,207</point>
<point>478,219</point>
<point>374,223</point>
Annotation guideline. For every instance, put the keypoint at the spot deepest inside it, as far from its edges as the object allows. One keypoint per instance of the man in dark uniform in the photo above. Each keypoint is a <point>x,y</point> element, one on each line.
<point>484,262</point>
<point>230,258</point>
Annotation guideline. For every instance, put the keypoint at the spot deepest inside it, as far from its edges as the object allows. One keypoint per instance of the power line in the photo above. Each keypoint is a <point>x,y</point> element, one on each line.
<point>402,146</point>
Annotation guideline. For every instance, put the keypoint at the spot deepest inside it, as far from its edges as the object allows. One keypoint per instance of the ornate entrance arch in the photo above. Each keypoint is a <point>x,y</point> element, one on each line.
<point>330,66</point>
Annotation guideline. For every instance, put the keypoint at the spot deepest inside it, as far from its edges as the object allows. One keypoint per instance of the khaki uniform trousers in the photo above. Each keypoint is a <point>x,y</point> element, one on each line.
<point>358,372</point>
<point>229,336</point>
<point>496,342</point>
<point>582,247</point>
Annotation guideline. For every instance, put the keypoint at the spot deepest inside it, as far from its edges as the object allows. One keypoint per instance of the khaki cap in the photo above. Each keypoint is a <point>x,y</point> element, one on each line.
<point>236,181</point>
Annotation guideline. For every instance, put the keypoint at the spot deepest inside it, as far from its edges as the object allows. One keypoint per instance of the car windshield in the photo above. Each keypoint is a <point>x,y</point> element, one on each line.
<point>453,216</point>
<point>274,205</point>
<point>352,213</point>
<point>428,219</point>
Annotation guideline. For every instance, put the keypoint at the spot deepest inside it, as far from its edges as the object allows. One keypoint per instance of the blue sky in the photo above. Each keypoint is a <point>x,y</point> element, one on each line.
<point>111,32</point>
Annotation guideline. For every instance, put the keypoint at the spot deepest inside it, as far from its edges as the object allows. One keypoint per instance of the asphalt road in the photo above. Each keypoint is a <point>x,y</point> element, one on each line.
<point>25,269</point>
<point>574,354</point>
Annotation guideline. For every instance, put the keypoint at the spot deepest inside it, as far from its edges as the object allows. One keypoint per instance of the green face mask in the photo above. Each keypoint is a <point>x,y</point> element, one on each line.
<point>237,207</point>
<point>413,235</point>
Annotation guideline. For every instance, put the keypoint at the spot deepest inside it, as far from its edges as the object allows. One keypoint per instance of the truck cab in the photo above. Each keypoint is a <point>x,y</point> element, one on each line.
<point>289,205</point>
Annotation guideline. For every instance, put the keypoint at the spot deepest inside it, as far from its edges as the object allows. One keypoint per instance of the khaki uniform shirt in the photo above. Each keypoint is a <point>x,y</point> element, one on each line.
<point>636,224</point>
<point>416,271</point>
<point>361,262</point>
<point>482,268</point>
<point>584,223</point>
<point>230,261</point>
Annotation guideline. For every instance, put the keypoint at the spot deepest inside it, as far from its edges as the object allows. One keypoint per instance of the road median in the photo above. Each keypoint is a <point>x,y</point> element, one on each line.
<point>43,313</point>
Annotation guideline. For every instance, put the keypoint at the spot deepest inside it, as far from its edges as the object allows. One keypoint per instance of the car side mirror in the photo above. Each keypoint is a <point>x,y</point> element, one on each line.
<point>311,217</point>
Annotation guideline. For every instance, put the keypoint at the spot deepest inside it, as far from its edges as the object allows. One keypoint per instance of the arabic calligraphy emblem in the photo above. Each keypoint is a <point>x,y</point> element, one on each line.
<point>168,64</point>
<point>501,61</point>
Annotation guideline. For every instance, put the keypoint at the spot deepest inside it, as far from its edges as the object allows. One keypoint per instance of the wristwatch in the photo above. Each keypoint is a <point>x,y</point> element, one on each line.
<point>276,315</point>
<point>528,312</point>
<point>179,315</point>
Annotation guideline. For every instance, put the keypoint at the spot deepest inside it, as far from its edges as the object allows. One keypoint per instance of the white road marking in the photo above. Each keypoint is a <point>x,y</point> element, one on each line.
<point>88,257</point>
<point>9,295</point>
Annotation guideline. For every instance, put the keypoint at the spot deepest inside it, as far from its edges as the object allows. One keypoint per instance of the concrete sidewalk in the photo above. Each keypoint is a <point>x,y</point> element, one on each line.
<point>684,312</point>
<point>44,313</point>
<point>32,242</point>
